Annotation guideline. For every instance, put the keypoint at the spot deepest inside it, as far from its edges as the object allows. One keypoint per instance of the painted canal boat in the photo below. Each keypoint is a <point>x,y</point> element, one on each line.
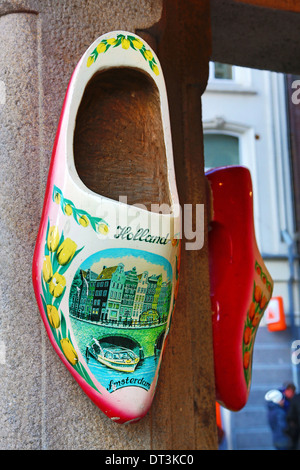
<point>115,357</point>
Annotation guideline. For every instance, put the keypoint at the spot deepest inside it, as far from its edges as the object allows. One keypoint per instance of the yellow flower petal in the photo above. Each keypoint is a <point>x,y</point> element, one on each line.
<point>84,221</point>
<point>47,269</point>
<point>53,238</point>
<point>101,47</point>
<point>155,69</point>
<point>112,41</point>
<point>137,43</point>
<point>66,251</point>
<point>57,285</point>
<point>148,55</point>
<point>69,351</point>
<point>125,43</point>
<point>53,316</point>
<point>90,61</point>
<point>68,209</point>
<point>103,228</point>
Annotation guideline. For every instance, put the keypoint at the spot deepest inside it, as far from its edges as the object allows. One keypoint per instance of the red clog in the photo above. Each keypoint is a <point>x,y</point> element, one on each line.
<point>241,285</point>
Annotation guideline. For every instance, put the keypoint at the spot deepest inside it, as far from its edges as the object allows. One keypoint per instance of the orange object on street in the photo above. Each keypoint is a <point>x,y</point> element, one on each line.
<point>218,415</point>
<point>275,316</point>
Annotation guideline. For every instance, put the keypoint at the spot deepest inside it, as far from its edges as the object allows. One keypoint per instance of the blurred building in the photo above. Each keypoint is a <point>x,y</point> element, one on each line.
<point>246,122</point>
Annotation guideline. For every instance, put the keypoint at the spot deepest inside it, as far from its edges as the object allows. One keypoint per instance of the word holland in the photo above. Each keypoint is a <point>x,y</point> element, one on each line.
<point>152,459</point>
<point>142,235</point>
<point>127,382</point>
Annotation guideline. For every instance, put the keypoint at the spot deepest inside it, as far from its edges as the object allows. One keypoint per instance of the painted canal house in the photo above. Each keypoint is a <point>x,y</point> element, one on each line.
<point>164,299</point>
<point>140,296</point>
<point>108,293</point>
<point>82,293</point>
<point>157,292</point>
<point>115,294</point>
<point>130,287</point>
<point>75,293</point>
<point>149,297</point>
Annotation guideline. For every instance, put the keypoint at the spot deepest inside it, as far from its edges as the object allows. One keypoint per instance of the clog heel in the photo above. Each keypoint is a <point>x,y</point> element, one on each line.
<point>241,285</point>
<point>106,260</point>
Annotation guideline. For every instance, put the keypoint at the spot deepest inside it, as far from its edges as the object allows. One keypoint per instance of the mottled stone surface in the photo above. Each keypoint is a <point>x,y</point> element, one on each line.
<point>264,34</point>
<point>41,405</point>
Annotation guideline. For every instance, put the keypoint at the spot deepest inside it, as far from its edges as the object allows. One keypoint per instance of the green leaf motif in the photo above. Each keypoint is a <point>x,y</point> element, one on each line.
<point>49,301</point>
<point>131,42</point>
<point>80,216</point>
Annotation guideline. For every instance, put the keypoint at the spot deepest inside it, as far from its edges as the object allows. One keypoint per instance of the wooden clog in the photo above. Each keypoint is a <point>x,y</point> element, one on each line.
<point>241,285</point>
<point>105,267</point>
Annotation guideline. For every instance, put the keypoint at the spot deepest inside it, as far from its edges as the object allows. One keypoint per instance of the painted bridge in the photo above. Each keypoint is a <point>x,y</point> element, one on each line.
<point>145,341</point>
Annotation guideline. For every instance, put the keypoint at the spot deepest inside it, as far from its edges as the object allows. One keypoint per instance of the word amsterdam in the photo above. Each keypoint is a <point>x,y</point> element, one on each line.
<point>142,235</point>
<point>127,382</point>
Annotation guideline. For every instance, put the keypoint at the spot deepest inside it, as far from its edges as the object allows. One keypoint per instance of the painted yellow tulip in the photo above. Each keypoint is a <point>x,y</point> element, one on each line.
<point>112,41</point>
<point>155,69</point>
<point>68,209</point>
<point>90,61</point>
<point>57,285</point>
<point>47,269</point>
<point>125,43</point>
<point>57,198</point>
<point>69,351</point>
<point>148,55</point>
<point>66,251</point>
<point>101,47</point>
<point>53,316</point>
<point>53,238</point>
<point>84,221</point>
<point>103,229</point>
<point>137,43</point>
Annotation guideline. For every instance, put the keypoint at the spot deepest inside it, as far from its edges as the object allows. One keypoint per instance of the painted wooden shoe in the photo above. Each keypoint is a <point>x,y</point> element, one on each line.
<point>105,271</point>
<point>241,285</point>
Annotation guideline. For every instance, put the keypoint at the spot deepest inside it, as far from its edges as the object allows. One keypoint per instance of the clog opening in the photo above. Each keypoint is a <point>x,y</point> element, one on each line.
<point>119,147</point>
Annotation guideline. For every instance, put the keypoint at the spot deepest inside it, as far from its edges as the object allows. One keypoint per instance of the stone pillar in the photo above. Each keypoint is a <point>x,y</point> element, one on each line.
<point>22,370</point>
<point>41,406</point>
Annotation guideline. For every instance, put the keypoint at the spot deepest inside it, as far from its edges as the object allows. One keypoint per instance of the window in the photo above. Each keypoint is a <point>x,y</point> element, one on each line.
<point>220,150</point>
<point>223,71</point>
<point>229,78</point>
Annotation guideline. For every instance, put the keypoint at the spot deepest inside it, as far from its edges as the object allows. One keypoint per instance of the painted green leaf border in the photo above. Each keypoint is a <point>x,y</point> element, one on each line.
<point>62,331</point>
<point>82,217</point>
<point>248,323</point>
<point>133,42</point>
